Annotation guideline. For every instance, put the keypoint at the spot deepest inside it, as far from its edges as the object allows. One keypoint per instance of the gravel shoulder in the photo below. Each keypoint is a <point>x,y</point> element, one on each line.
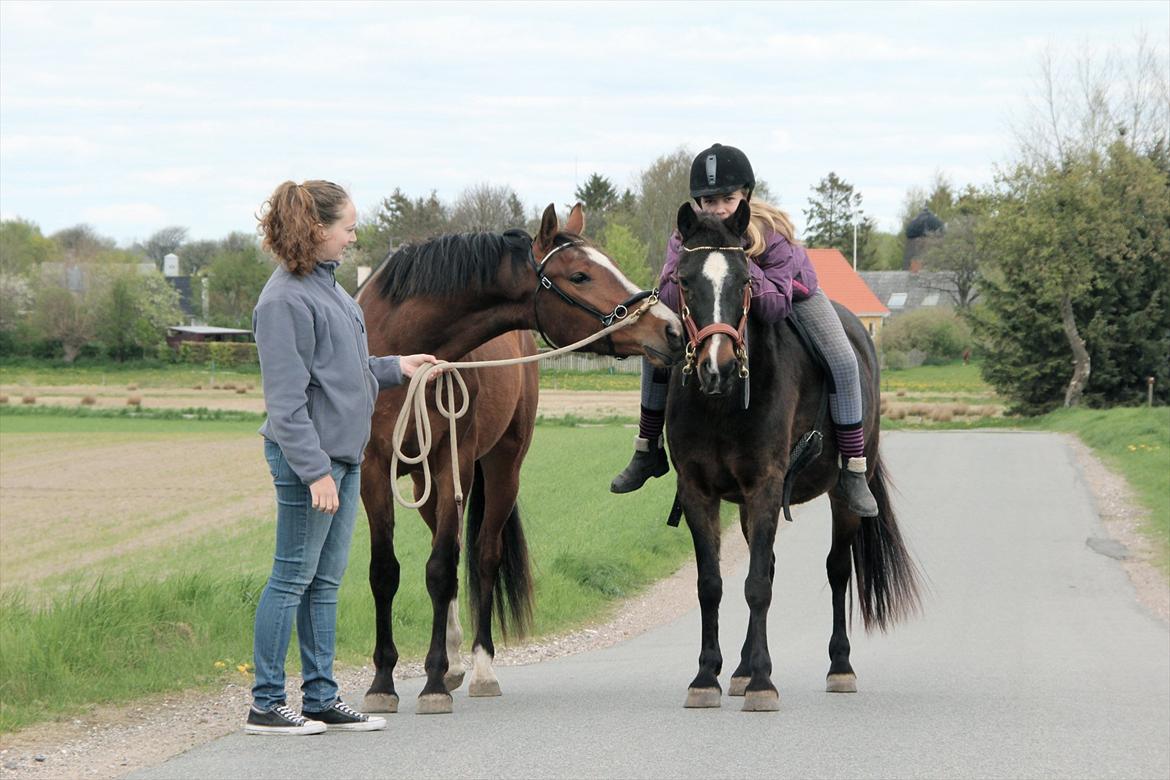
<point>111,742</point>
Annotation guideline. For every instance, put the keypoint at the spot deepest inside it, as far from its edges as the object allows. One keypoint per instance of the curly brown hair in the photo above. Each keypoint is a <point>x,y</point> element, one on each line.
<point>291,217</point>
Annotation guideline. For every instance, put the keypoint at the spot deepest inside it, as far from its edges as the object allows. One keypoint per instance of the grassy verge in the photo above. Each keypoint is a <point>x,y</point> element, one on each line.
<point>184,617</point>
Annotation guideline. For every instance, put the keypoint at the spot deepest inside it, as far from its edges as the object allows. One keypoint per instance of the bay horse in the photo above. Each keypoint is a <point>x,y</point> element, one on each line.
<point>724,451</point>
<point>478,297</point>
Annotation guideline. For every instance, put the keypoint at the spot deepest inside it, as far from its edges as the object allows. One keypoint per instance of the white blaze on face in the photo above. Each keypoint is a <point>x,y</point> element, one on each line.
<point>606,263</point>
<point>715,269</point>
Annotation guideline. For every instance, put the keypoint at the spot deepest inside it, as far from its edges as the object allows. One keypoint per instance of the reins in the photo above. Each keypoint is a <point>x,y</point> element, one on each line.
<point>415,402</point>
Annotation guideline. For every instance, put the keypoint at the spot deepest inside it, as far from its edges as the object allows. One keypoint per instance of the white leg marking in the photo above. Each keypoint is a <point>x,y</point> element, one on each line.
<point>454,638</point>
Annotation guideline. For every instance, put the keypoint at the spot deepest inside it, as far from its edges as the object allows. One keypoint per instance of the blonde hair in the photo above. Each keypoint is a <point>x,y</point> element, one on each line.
<point>291,217</point>
<point>767,218</point>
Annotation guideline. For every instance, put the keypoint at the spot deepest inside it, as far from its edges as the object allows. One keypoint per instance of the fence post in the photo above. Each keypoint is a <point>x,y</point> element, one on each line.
<point>1150,391</point>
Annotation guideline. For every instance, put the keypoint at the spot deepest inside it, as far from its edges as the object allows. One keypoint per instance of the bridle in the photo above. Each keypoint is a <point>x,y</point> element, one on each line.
<point>619,312</point>
<point>696,336</point>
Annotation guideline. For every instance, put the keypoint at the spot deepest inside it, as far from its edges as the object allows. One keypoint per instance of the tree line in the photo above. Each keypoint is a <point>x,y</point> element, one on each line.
<point>1059,268</point>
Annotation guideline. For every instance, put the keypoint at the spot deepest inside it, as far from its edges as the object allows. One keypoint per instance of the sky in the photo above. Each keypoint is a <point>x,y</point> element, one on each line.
<point>132,117</point>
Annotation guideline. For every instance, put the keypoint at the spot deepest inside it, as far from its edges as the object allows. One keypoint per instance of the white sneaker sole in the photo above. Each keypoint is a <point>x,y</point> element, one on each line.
<point>373,724</point>
<point>286,731</point>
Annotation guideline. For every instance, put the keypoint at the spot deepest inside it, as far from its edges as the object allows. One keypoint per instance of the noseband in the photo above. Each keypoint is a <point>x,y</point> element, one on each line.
<point>696,336</point>
<point>544,283</point>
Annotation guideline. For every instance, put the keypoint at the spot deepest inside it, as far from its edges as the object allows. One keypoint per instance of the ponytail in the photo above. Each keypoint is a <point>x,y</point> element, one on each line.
<point>767,218</point>
<point>291,218</point>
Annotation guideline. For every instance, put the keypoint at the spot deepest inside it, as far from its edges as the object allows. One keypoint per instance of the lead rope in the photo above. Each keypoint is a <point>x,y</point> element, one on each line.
<point>416,404</point>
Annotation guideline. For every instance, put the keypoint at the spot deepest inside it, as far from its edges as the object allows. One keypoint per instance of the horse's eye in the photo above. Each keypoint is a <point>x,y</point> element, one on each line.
<point>685,285</point>
<point>579,278</point>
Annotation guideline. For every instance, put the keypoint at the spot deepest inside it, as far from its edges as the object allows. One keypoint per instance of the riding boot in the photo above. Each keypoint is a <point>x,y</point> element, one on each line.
<point>649,461</point>
<point>856,489</point>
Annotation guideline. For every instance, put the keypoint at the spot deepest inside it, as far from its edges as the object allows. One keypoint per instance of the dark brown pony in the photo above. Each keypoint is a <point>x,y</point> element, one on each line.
<point>725,452</point>
<point>477,297</point>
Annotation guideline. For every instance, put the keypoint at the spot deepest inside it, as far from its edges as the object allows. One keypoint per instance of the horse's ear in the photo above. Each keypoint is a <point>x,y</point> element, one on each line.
<point>687,219</point>
<point>576,221</point>
<point>549,227</point>
<point>739,221</point>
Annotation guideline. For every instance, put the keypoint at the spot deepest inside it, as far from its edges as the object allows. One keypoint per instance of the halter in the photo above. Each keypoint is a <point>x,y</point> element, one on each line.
<point>696,336</point>
<point>543,282</point>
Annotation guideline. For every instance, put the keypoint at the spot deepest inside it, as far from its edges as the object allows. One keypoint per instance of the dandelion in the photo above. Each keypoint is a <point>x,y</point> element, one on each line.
<point>244,668</point>
<point>220,665</point>
<point>1131,448</point>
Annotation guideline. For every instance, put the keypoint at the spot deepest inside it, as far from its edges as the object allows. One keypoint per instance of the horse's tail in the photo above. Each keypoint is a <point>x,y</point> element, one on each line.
<point>513,585</point>
<point>888,581</point>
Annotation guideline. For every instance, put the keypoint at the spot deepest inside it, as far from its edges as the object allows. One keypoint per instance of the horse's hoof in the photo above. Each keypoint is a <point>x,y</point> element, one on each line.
<point>703,697</point>
<point>453,680</point>
<point>433,704</point>
<point>484,688</point>
<point>841,683</point>
<point>738,686</point>
<point>380,702</point>
<point>761,701</point>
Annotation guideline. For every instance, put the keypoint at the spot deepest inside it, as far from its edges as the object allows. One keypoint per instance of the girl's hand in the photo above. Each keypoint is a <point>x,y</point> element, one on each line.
<point>411,363</point>
<point>324,493</point>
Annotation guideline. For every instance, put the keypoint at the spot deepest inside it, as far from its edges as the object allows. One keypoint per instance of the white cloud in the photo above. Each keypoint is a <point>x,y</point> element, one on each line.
<point>134,214</point>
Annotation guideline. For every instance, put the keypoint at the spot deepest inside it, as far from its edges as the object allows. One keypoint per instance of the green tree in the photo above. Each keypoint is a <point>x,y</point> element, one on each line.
<point>133,310</point>
<point>600,199</point>
<point>235,279</point>
<point>958,257</point>
<point>81,243</point>
<point>65,317</point>
<point>833,210</point>
<point>195,256</point>
<point>1084,245</point>
<point>487,208</point>
<point>22,247</point>
<point>662,188</point>
<point>629,254</point>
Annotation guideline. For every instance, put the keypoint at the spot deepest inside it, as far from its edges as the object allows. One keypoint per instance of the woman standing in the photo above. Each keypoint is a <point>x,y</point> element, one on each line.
<point>320,384</point>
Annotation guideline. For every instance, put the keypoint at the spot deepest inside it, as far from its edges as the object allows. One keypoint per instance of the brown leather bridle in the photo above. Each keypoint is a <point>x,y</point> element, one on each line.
<point>696,336</point>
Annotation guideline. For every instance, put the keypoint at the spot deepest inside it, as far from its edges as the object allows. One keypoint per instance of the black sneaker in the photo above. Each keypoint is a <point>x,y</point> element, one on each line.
<point>341,717</point>
<point>281,720</point>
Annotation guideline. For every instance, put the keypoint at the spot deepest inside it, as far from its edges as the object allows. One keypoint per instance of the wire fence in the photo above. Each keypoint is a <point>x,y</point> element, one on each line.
<point>587,363</point>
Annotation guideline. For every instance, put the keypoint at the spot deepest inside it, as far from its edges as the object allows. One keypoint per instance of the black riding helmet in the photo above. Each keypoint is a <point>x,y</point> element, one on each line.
<point>721,170</point>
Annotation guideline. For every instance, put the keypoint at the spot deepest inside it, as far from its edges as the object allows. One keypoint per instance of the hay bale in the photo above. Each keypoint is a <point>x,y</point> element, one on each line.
<point>134,400</point>
<point>901,393</point>
<point>960,410</point>
<point>197,387</point>
<point>88,400</point>
<point>228,386</point>
<point>942,414</point>
<point>241,390</point>
<point>28,399</point>
<point>3,399</point>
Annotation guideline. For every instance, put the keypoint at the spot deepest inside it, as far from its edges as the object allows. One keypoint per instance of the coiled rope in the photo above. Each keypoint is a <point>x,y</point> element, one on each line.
<point>415,405</point>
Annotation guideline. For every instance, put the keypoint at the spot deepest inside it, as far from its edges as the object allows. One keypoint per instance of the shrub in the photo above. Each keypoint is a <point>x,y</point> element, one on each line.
<point>940,334</point>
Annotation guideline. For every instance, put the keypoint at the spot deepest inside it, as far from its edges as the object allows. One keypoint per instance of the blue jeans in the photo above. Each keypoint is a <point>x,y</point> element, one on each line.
<point>312,550</point>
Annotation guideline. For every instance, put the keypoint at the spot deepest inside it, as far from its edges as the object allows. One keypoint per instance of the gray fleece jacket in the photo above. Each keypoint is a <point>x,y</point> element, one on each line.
<point>320,382</point>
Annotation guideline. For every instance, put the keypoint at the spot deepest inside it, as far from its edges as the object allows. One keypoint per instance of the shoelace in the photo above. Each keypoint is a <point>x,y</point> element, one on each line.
<point>289,714</point>
<point>345,709</point>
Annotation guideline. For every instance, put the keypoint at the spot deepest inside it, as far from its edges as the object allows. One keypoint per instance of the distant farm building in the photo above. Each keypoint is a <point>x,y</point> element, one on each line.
<point>179,333</point>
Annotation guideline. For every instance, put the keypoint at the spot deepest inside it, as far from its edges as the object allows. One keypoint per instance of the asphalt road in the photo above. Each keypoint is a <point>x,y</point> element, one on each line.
<point>1033,659</point>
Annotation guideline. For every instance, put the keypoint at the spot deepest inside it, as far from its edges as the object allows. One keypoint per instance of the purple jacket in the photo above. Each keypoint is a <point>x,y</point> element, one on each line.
<point>780,273</point>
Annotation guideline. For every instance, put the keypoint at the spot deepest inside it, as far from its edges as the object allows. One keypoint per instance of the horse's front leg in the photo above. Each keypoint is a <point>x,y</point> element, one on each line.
<point>762,507</point>
<point>841,678</point>
<point>702,513</point>
<point>443,587</point>
<point>743,673</point>
<point>384,577</point>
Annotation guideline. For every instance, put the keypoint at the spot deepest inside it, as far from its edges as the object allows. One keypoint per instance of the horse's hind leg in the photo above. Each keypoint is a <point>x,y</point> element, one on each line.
<point>384,575</point>
<point>841,678</point>
<point>743,672</point>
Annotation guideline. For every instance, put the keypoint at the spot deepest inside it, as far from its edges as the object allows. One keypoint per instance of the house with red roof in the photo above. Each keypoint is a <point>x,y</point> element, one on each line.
<point>843,285</point>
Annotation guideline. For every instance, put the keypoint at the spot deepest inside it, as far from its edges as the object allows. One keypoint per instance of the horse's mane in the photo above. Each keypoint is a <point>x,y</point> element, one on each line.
<point>450,264</point>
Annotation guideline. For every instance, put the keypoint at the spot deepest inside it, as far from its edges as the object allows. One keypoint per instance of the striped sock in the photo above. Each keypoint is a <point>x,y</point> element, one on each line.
<point>850,440</point>
<point>651,423</point>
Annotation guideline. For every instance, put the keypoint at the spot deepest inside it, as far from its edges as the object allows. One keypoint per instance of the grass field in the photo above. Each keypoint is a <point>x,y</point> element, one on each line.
<point>134,551</point>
